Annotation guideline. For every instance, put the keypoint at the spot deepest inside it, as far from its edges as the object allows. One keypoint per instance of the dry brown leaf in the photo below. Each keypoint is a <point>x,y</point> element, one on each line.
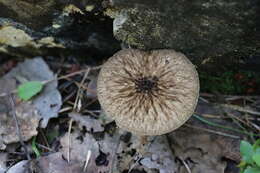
<point>26,113</point>
<point>55,163</point>
<point>202,151</point>
<point>89,123</point>
<point>80,144</point>
<point>48,101</point>
<point>3,159</point>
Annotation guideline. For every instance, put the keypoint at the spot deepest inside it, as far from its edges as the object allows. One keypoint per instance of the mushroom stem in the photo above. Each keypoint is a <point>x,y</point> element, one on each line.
<point>142,148</point>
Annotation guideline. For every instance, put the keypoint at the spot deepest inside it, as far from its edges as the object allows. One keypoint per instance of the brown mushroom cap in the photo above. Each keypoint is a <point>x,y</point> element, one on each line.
<point>148,93</point>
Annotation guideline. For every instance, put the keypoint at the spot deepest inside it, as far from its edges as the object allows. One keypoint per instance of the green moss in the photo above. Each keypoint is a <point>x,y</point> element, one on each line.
<point>230,82</point>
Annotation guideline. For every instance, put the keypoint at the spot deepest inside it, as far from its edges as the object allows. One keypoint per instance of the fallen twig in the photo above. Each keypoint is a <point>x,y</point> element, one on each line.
<point>77,105</point>
<point>69,141</point>
<point>223,127</point>
<point>212,131</point>
<point>135,164</point>
<point>87,160</point>
<point>65,109</point>
<point>54,79</point>
<point>204,100</point>
<point>240,109</point>
<point>18,131</point>
<point>186,166</point>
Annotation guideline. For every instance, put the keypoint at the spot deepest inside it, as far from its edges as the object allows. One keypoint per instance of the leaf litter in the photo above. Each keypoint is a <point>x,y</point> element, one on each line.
<point>26,114</point>
<point>48,102</point>
<point>193,148</point>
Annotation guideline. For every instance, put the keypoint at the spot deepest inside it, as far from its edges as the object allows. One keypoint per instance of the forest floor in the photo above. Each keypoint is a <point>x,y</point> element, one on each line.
<point>63,128</point>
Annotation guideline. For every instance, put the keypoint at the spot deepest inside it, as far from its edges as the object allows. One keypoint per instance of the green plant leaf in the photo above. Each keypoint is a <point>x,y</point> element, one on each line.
<point>256,144</point>
<point>256,157</point>
<point>242,164</point>
<point>246,150</point>
<point>252,170</point>
<point>34,148</point>
<point>29,89</point>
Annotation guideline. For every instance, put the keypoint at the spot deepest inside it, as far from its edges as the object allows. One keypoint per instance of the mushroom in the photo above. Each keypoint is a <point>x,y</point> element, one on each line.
<point>148,93</point>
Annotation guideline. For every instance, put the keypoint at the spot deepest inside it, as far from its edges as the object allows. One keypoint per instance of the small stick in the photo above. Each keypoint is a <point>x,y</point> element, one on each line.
<point>6,94</point>
<point>78,72</point>
<point>212,131</point>
<point>87,160</point>
<point>91,102</point>
<point>65,109</point>
<point>204,100</point>
<point>44,147</point>
<point>90,112</point>
<point>229,96</point>
<point>86,88</point>
<point>256,126</point>
<point>134,164</point>
<point>240,109</point>
<point>69,132</point>
<point>59,78</point>
<point>77,101</point>
<point>237,120</point>
<point>44,138</point>
<point>18,131</point>
<point>186,166</point>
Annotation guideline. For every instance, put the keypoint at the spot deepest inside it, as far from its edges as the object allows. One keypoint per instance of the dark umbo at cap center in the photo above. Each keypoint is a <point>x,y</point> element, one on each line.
<point>146,84</point>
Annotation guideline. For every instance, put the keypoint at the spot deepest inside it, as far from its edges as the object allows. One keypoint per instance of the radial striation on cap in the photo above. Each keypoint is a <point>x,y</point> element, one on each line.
<point>148,93</point>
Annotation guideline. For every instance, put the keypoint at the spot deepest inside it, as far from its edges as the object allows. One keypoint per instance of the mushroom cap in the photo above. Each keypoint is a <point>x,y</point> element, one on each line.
<point>148,93</point>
